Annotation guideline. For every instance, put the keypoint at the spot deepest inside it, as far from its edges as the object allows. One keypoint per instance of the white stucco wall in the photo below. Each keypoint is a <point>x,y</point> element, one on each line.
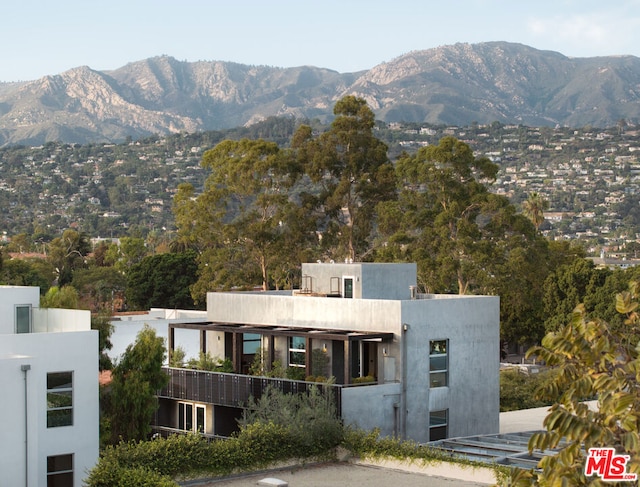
<point>44,353</point>
<point>48,320</point>
<point>10,296</point>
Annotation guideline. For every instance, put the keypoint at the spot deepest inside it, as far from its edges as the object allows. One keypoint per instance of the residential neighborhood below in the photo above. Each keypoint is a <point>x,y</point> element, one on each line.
<point>589,177</point>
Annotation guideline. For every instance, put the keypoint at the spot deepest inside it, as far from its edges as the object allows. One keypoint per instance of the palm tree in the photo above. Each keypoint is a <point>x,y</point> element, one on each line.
<point>534,208</point>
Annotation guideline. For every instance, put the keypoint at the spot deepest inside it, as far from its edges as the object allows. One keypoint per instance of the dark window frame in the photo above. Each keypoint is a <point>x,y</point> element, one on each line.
<point>60,470</point>
<point>438,363</point>
<point>59,399</point>
<point>438,424</point>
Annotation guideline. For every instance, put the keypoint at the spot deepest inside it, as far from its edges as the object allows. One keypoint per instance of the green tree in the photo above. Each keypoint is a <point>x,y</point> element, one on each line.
<point>130,251</point>
<point>446,220</point>
<point>60,297</point>
<point>534,208</point>
<point>101,321</point>
<point>592,362</point>
<point>245,221</point>
<point>28,272</point>
<point>352,172</point>
<point>68,253</point>
<point>162,281</point>
<point>99,287</point>
<point>569,285</point>
<point>135,379</point>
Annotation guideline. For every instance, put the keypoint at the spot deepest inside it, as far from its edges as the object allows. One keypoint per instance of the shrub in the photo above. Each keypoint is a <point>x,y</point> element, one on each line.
<point>519,390</point>
<point>278,427</point>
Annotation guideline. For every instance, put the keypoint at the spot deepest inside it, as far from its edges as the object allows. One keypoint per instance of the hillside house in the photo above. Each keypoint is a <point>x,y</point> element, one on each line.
<point>416,366</point>
<point>49,411</point>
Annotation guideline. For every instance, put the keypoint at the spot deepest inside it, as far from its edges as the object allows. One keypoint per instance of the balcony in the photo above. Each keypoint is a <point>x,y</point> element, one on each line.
<point>232,390</point>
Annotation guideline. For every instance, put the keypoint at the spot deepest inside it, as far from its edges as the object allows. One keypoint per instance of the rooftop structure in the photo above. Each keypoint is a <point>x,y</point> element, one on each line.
<point>416,366</point>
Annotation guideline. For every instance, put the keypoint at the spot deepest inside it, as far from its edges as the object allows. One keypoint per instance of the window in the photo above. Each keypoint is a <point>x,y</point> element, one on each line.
<point>251,343</point>
<point>23,319</point>
<point>187,419</point>
<point>185,416</point>
<point>59,399</point>
<point>438,425</point>
<point>60,471</point>
<point>347,283</point>
<point>438,363</point>
<point>200,419</point>
<point>297,352</point>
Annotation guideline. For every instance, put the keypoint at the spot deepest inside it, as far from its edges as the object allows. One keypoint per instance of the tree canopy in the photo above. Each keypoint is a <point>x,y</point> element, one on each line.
<point>135,379</point>
<point>592,362</point>
<point>162,281</point>
<point>353,174</point>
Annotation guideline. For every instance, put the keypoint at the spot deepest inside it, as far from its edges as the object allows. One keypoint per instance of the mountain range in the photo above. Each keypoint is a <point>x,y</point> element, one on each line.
<point>455,85</point>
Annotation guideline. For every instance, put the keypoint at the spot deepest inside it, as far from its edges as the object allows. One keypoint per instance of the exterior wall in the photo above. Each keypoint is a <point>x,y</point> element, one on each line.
<point>10,296</point>
<point>50,352</point>
<point>373,315</point>
<point>370,407</point>
<point>304,311</point>
<point>48,320</point>
<point>370,280</point>
<point>471,324</point>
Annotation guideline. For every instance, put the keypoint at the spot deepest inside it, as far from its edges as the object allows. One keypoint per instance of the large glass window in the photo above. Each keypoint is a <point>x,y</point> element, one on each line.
<point>297,352</point>
<point>59,399</point>
<point>251,343</point>
<point>23,319</point>
<point>60,471</point>
<point>438,363</point>
<point>438,423</point>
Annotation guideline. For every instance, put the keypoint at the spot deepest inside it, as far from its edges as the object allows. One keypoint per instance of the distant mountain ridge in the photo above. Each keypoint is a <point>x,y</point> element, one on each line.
<point>455,84</point>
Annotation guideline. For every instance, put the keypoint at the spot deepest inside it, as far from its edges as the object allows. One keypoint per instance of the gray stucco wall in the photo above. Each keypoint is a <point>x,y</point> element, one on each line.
<point>368,407</point>
<point>370,280</point>
<point>471,324</point>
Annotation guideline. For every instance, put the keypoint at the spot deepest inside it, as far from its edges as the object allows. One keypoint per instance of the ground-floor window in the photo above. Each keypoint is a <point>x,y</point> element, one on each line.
<point>438,424</point>
<point>60,471</point>
<point>192,417</point>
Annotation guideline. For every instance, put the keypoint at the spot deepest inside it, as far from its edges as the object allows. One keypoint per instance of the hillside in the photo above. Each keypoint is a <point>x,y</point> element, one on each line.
<point>456,85</point>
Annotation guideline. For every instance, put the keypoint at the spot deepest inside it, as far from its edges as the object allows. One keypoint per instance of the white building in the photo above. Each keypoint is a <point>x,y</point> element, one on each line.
<point>49,412</point>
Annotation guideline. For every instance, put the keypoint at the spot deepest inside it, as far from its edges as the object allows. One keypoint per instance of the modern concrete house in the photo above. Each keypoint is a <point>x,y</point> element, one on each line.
<point>423,367</point>
<point>49,410</point>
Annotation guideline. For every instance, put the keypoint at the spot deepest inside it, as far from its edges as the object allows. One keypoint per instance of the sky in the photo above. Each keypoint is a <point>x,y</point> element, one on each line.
<point>48,37</point>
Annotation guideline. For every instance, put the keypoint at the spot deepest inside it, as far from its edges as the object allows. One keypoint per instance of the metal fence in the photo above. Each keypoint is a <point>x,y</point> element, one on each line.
<point>232,390</point>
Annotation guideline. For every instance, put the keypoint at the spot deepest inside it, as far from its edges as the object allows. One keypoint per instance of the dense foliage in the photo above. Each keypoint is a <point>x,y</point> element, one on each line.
<point>593,362</point>
<point>135,380</point>
<point>310,429</point>
<point>519,389</point>
<point>162,281</point>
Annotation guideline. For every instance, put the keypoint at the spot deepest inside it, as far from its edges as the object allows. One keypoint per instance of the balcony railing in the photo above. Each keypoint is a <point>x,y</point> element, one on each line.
<point>232,390</point>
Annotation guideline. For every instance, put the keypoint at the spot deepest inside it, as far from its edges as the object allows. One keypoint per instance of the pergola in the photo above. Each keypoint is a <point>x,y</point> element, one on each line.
<point>237,330</point>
